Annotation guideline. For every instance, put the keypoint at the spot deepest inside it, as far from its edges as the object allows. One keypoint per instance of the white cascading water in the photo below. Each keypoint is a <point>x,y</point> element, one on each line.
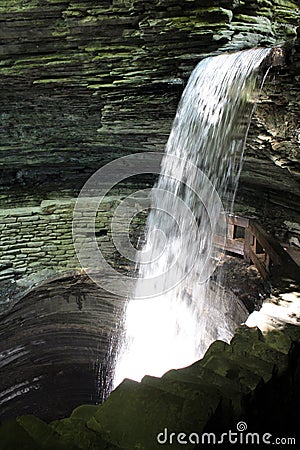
<point>182,315</point>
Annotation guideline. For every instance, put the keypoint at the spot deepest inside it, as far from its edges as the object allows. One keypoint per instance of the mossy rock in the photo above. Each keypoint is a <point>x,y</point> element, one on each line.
<point>181,388</point>
<point>42,434</point>
<point>200,400</point>
<point>282,339</point>
<point>211,15</point>
<point>250,343</point>
<point>292,331</point>
<point>84,412</point>
<point>17,5</point>
<point>233,370</point>
<point>134,414</point>
<point>14,437</point>
<point>205,376</point>
<point>221,351</point>
<point>74,432</point>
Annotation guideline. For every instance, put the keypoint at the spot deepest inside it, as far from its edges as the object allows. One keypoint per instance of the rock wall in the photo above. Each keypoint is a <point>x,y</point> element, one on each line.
<point>57,343</point>
<point>35,238</point>
<point>82,84</point>
<point>269,184</point>
<point>36,242</point>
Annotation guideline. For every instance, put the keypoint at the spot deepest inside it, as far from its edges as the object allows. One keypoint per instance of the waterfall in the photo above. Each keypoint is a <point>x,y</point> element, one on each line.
<point>174,313</point>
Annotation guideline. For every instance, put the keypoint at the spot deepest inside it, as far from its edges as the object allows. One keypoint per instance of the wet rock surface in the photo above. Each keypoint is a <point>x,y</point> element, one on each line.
<point>58,343</point>
<point>57,347</point>
<point>270,184</point>
<point>244,281</point>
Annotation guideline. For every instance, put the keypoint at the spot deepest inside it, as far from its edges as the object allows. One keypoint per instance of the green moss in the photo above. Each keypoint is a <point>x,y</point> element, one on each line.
<point>60,28</point>
<point>284,32</point>
<point>134,413</point>
<point>89,20</point>
<point>53,80</point>
<point>72,13</point>
<point>101,86</point>
<point>84,412</point>
<point>266,3</point>
<point>74,431</point>
<point>17,5</point>
<point>280,340</point>
<point>252,19</point>
<point>109,48</point>
<point>99,10</point>
<point>287,4</point>
<point>42,434</point>
<point>24,65</point>
<point>261,25</point>
<point>211,15</point>
<point>192,23</point>
<point>13,437</point>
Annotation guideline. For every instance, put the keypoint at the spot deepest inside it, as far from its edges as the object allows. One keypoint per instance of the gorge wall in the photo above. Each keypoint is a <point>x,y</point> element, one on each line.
<point>84,83</point>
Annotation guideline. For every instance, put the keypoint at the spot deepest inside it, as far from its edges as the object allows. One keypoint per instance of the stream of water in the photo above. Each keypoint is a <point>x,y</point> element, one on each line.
<point>183,314</point>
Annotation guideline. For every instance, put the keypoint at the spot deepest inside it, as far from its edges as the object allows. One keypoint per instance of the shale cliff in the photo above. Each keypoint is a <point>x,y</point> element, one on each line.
<point>85,82</point>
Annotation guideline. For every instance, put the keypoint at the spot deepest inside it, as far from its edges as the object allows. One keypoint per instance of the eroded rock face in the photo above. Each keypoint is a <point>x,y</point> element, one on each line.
<point>271,173</point>
<point>82,84</point>
<point>57,347</point>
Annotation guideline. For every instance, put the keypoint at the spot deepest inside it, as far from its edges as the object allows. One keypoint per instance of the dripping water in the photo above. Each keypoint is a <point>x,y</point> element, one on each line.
<point>183,313</point>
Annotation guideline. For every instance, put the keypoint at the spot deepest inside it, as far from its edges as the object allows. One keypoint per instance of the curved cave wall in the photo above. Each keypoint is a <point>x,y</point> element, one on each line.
<point>82,84</point>
<point>58,342</point>
<point>57,348</point>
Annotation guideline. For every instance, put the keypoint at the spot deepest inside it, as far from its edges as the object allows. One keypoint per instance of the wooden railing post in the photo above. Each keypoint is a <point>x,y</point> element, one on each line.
<point>258,246</point>
<point>248,242</point>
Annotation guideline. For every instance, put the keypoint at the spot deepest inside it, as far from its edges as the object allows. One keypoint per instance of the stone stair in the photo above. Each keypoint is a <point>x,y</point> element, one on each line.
<point>181,401</point>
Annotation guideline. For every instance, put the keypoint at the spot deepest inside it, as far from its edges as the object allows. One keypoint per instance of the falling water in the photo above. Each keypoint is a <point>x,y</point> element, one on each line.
<point>180,314</point>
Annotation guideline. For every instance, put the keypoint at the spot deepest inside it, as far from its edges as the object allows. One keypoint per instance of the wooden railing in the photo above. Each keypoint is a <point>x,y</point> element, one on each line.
<point>246,237</point>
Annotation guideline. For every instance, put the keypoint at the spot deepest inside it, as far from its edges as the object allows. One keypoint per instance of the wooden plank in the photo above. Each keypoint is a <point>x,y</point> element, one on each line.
<point>231,245</point>
<point>242,222</point>
<point>258,264</point>
<point>249,240</point>
<point>230,231</point>
<point>274,257</point>
<point>270,245</point>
